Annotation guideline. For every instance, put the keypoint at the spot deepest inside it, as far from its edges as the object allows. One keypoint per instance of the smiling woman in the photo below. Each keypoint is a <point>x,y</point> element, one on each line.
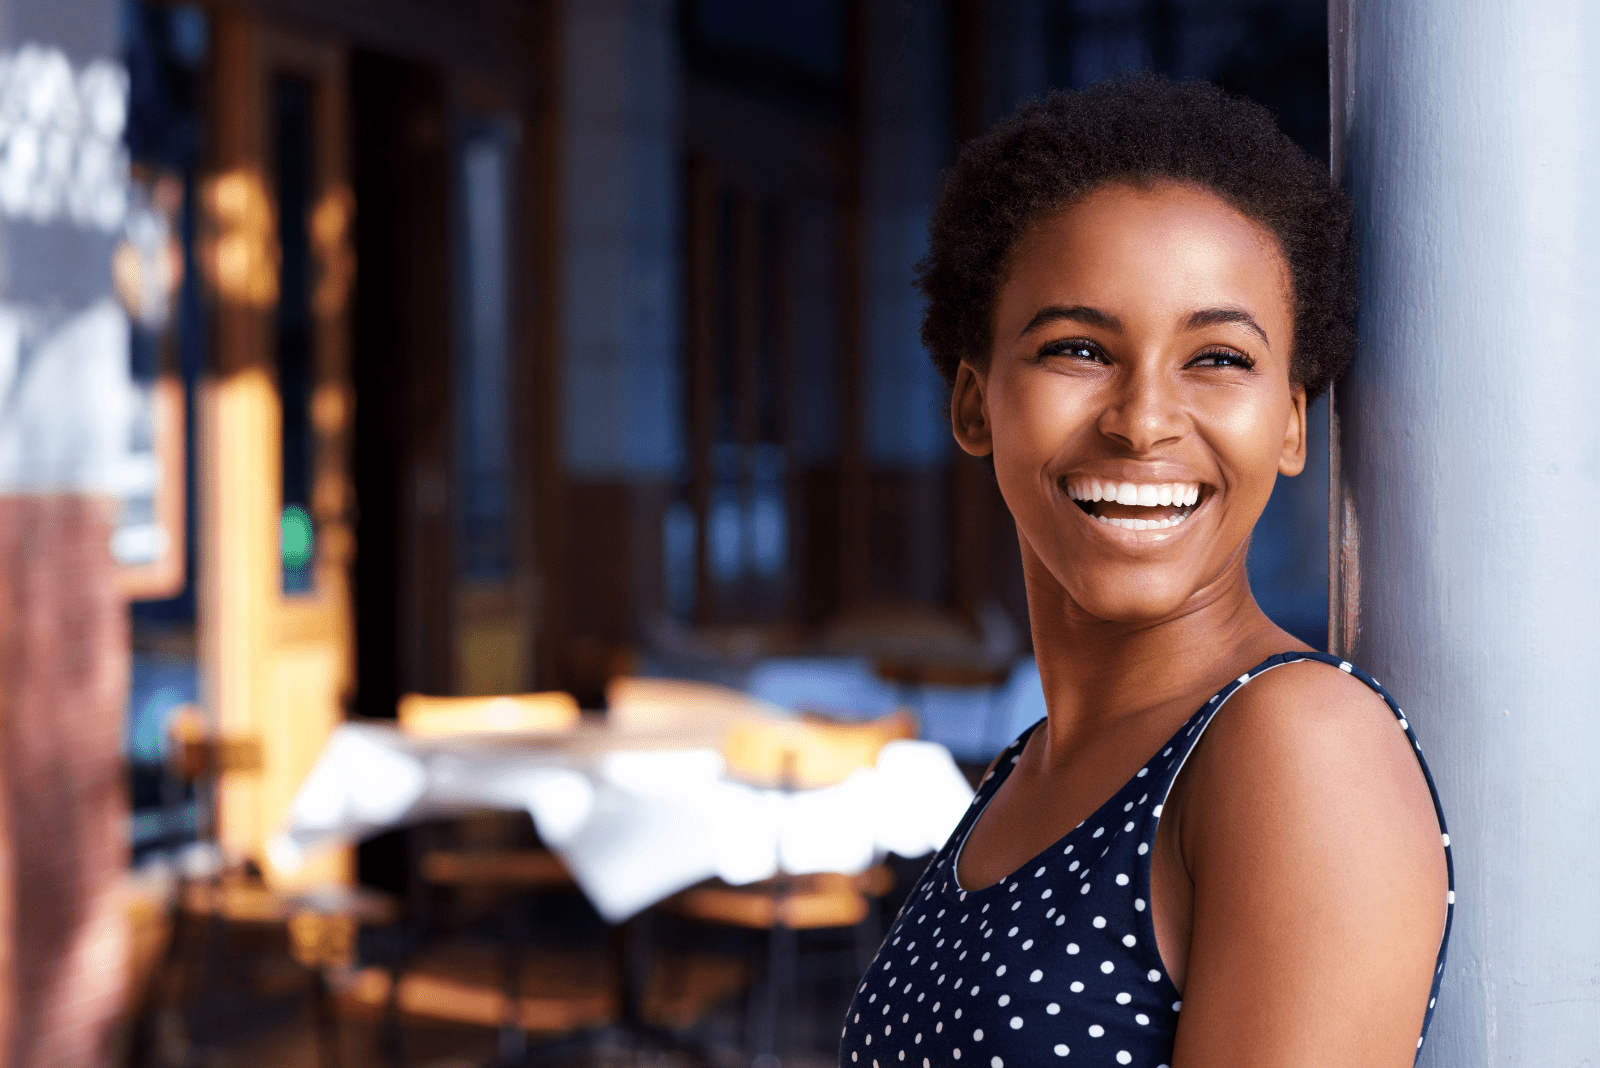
<point>1132,292</point>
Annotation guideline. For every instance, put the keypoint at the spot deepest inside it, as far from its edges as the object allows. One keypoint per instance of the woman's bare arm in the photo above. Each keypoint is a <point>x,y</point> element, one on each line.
<point>1319,881</point>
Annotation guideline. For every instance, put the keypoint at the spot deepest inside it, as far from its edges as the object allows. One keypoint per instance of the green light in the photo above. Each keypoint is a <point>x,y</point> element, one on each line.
<point>297,537</point>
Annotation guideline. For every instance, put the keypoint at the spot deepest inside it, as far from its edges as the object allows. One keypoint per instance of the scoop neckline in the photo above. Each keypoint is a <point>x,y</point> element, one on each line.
<point>1022,743</point>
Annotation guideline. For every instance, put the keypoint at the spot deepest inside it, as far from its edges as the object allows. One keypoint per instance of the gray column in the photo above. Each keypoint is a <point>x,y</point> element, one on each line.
<point>1471,454</point>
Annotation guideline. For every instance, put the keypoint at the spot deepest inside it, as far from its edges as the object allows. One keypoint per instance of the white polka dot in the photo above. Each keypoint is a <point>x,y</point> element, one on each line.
<point>1095,1030</point>
<point>1138,904</point>
<point>996,1062</point>
<point>1124,1057</point>
<point>1061,1050</point>
<point>1128,940</point>
<point>977,1036</point>
<point>1098,831</point>
<point>1344,666</point>
<point>1036,976</point>
<point>1072,948</point>
<point>1073,866</point>
<point>1446,839</point>
<point>902,1054</point>
<point>1124,998</point>
<point>1044,895</point>
<point>1050,913</point>
<point>1099,921</point>
<point>1141,1019</point>
<point>1450,896</point>
<point>1107,967</point>
<point>1011,933</point>
<point>1010,888</point>
<point>1076,988</point>
<point>1067,850</point>
<point>956,1054</point>
<point>1144,847</point>
<point>1157,810</point>
<point>1128,826</point>
<point>1142,773</point>
<point>1039,872</point>
<point>1122,880</point>
<point>1404,725</point>
<point>1053,1008</point>
<point>1154,975</point>
<point>1177,1006</point>
<point>1085,889</point>
<point>1028,944</point>
<point>1000,970</point>
<point>1016,1023</point>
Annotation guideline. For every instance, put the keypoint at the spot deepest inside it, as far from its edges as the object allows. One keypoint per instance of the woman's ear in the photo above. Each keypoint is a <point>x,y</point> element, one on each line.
<point>969,412</point>
<point>1293,458</point>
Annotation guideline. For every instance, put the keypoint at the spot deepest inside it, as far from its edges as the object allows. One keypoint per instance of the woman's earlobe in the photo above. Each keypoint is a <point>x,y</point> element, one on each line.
<point>1293,458</point>
<point>969,415</point>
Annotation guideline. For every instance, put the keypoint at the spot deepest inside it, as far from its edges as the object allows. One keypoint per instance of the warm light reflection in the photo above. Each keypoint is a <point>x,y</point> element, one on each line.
<point>330,240</point>
<point>240,254</point>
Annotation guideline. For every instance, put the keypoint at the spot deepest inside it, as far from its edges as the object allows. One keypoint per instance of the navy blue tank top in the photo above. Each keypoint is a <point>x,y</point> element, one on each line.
<point>1058,960</point>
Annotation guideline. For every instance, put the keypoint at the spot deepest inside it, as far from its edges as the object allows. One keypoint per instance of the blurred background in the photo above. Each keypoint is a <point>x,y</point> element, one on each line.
<point>353,349</point>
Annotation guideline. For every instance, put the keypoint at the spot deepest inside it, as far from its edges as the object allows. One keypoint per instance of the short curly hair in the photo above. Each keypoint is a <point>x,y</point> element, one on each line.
<point>1137,129</point>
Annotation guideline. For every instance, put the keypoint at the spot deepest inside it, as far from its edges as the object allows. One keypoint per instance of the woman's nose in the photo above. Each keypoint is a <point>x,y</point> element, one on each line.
<point>1143,413</point>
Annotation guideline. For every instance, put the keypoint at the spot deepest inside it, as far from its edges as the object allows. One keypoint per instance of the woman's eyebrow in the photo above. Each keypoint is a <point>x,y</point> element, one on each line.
<point>1055,313</point>
<point>1214,316</point>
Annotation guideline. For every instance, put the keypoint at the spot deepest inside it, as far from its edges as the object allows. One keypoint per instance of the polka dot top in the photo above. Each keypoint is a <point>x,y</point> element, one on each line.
<point>1058,960</point>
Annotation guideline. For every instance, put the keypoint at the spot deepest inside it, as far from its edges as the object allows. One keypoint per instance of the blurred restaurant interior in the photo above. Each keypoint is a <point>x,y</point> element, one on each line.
<point>563,352</point>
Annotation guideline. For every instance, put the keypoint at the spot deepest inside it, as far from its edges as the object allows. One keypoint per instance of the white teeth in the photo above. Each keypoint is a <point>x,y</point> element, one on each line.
<point>1142,524</point>
<point>1145,495</point>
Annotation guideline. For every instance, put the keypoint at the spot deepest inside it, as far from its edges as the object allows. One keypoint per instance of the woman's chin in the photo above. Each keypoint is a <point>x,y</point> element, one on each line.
<point>1132,603</point>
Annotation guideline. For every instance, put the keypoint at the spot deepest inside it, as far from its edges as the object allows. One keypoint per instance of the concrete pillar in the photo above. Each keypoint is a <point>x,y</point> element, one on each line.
<point>66,400</point>
<point>1470,452</point>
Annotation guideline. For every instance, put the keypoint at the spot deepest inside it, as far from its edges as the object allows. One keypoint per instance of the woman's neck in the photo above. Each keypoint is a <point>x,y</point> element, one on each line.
<point>1096,672</point>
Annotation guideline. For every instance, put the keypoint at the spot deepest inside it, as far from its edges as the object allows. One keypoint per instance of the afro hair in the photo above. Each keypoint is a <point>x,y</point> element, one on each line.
<point>1139,130</point>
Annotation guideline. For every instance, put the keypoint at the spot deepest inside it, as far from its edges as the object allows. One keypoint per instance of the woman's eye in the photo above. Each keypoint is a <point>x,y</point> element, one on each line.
<point>1223,358</point>
<point>1073,350</point>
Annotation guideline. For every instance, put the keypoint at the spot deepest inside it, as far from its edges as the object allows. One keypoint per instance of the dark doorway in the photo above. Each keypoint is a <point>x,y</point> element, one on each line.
<point>400,370</point>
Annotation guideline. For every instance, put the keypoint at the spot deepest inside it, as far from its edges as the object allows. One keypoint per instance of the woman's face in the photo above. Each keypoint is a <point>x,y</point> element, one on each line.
<point>1137,400</point>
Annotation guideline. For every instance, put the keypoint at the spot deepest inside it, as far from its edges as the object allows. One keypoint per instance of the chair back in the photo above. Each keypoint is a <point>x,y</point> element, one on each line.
<point>670,704</point>
<point>530,713</point>
<point>808,753</point>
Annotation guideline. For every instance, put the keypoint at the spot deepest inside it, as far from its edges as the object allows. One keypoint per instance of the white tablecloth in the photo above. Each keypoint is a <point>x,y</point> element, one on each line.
<point>633,825</point>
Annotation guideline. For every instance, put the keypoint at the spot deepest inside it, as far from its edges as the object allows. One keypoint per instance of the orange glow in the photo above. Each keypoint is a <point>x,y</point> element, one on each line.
<point>240,253</point>
<point>330,238</point>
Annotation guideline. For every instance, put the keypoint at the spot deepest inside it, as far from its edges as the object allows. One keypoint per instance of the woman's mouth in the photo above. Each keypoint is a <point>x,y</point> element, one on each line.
<point>1135,505</point>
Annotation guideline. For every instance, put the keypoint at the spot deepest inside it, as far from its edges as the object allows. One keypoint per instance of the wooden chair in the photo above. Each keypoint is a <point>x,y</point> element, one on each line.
<point>216,896</point>
<point>532,713</point>
<point>797,754</point>
<point>481,856</point>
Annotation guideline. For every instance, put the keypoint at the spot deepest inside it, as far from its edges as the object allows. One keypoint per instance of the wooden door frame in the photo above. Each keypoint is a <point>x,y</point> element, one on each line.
<point>276,669</point>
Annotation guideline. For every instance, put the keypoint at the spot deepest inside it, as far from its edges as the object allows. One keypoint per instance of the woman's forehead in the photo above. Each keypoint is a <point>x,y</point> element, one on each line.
<point>1158,249</point>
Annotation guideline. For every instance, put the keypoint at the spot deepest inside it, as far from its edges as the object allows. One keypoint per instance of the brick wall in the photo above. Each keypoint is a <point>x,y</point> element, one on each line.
<point>63,678</point>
